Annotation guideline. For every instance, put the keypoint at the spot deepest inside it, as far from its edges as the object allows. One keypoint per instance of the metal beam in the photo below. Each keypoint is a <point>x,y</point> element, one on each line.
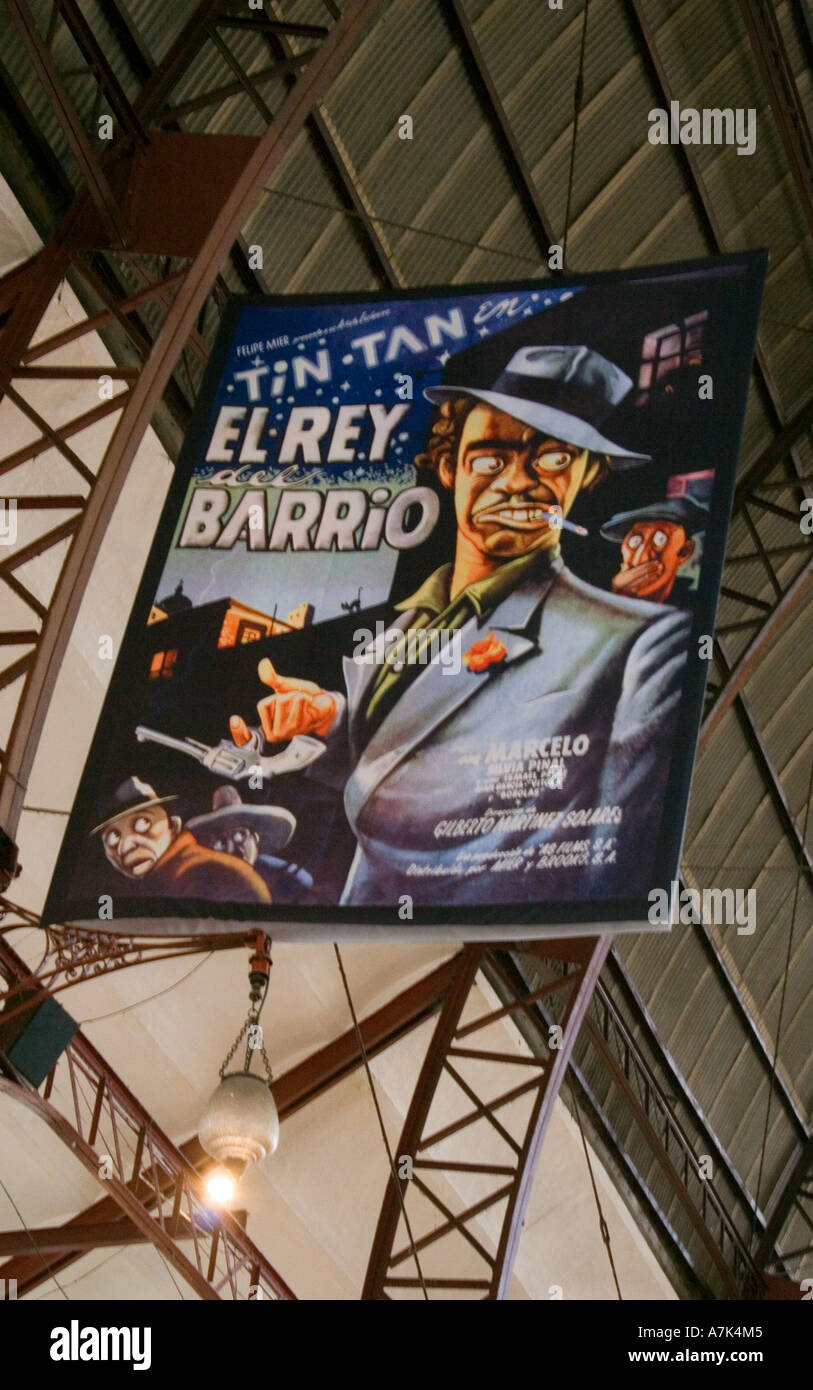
<point>643,1024</point>
<point>379,1031</point>
<point>580,959</point>
<point>176,62</point>
<point>483,85</point>
<point>30,166</point>
<point>145,69</point>
<point>100,1117</point>
<point>609,1039</point>
<point>339,166</point>
<point>745,1017</point>
<point>703,205</point>
<point>104,199</point>
<point>142,401</point>
<point>292,1090</point>
<point>800,851</point>
<point>187,1193</point>
<point>744,668</point>
<point>785,102</point>
<point>71,956</point>
<point>55,1240</point>
<point>696,1215</point>
<point>803,21</point>
<point>273,26</point>
<point>215,95</point>
<point>132,46</point>
<point>86,42</point>
<point>773,454</point>
<point>784,1201</point>
<point>38,282</point>
<point>653,1223</point>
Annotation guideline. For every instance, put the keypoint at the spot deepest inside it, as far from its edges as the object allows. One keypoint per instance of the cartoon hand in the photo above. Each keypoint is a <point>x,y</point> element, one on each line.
<point>296,707</point>
<point>241,734</point>
<point>638,576</point>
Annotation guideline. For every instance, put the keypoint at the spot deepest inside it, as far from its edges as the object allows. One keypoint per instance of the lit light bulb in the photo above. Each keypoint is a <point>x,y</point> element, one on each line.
<point>220,1186</point>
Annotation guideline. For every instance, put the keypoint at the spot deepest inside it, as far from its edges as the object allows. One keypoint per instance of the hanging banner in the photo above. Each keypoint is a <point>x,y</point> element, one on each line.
<point>421,643</point>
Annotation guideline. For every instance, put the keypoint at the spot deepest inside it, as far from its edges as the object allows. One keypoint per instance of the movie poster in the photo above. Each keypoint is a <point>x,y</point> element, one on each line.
<point>421,643</point>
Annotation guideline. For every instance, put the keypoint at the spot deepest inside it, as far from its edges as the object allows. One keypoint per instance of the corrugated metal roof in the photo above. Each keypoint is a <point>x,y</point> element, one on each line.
<point>447,194</point>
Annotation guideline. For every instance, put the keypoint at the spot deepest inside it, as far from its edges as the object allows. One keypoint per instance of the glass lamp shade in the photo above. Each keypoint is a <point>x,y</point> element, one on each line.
<point>240,1124</point>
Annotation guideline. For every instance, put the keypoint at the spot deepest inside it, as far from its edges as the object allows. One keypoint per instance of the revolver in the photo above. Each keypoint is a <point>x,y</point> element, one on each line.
<point>227,760</point>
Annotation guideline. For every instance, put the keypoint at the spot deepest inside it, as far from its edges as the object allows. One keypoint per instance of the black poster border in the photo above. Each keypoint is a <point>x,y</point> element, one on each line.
<point>292,922</point>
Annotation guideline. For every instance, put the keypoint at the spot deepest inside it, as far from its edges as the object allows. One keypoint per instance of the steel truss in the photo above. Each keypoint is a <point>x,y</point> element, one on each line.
<point>153,284</point>
<point>753,614</point>
<point>611,1045</point>
<point>124,288</point>
<point>71,956</point>
<point>203,239</point>
<point>435,1165</point>
<point>616,1036</point>
<point>554,984</point>
<point>142,1172</point>
<point>292,1090</point>
<point>786,105</point>
<point>156,303</point>
<point>792,1210</point>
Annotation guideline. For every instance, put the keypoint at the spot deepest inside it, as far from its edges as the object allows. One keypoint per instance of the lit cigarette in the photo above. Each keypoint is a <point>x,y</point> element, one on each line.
<point>556,519</point>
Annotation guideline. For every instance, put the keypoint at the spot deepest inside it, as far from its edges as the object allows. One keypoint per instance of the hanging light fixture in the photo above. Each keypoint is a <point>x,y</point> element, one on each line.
<point>240,1125</point>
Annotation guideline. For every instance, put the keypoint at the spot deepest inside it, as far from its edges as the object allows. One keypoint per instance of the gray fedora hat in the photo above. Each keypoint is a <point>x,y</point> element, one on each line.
<point>684,511</point>
<point>273,824</point>
<point>130,796</point>
<point>564,392</point>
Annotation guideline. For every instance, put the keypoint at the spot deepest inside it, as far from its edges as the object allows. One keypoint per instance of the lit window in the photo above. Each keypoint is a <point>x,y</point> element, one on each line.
<point>668,349</point>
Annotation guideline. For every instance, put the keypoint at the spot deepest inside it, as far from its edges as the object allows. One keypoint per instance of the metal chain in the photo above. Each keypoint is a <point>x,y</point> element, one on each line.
<point>252,1021</point>
<point>233,1048</point>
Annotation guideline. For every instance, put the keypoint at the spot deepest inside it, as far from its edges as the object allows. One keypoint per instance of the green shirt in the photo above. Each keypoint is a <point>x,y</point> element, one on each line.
<point>436,611</point>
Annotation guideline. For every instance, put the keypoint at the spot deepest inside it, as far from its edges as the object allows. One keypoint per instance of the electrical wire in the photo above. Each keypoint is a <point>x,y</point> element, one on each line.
<point>577,105</point>
<point>363,1051</point>
<point>37,1250</point>
<point>602,1224</point>
<point>171,1275</point>
<point>785,977</point>
<point>149,997</point>
<point>80,1277</point>
<point>403,226</point>
<point>797,327</point>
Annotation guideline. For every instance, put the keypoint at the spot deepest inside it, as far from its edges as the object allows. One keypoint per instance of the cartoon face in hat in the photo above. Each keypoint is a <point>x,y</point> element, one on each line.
<point>512,448</point>
<point>236,827</point>
<point>655,541</point>
<point>137,831</point>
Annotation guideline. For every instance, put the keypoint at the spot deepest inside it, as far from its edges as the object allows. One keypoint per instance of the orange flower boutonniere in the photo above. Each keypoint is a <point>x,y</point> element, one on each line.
<point>489,651</point>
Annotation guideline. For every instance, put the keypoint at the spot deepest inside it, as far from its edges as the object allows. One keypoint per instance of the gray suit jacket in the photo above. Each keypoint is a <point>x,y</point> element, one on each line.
<point>438,805</point>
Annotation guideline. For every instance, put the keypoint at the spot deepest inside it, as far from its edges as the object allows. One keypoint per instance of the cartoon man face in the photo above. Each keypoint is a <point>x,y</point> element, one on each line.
<point>506,479</point>
<point>240,841</point>
<point>135,840</point>
<point>652,552</point>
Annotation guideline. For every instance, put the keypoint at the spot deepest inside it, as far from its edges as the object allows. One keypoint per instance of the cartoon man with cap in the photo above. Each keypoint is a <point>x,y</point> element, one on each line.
<point>655,541</point>
<point>150,847</point>
<point>550,662</point>
<point>234,826</point>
